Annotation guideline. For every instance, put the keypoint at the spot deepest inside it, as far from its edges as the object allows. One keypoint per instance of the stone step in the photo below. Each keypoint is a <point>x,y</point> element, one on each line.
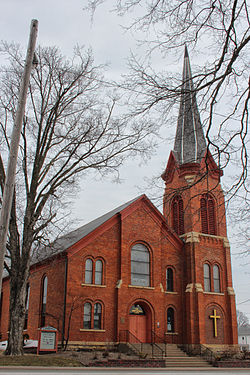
<point>187,359</point>
<point>174,357</point>
<point>188,365</point>
<point>181,359</point>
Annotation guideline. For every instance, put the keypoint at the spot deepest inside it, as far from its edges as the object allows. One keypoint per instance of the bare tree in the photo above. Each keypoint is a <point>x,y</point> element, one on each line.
<point>69,129</point>
<point>242,319</point>
<point>218,32</point>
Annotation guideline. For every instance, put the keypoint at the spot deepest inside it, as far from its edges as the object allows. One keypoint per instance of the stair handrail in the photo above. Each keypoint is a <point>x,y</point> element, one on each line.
<point>130,334</point>
<point>209,355</point>
<point>201,350</point>
<point>154,344</point>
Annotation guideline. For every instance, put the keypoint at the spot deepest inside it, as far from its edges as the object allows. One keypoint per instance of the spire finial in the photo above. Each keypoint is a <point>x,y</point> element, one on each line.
<point>186,51</point>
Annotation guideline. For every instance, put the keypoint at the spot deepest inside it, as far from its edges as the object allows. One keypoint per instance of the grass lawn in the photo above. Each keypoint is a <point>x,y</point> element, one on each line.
<point>39,360</point>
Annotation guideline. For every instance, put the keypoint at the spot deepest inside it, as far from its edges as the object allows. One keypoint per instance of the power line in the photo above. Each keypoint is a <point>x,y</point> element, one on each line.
<point>240,303</point>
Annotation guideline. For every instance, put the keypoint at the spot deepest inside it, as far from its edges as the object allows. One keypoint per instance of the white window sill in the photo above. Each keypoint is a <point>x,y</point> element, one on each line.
<point>170,292</point>
<point>92,330</point>
<point>171,333</point>
<point>94,285</point>
<point>141,287</point>
<point>214,293</point>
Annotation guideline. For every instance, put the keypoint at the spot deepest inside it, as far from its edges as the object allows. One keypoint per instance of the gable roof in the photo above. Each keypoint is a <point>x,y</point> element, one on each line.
<point>65,242</point>
<point>62,244</point>
<point>71,238</point>
<point>244,330</point>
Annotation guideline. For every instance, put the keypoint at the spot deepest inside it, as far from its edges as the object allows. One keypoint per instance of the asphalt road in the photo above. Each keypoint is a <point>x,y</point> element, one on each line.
<point>123,371</point>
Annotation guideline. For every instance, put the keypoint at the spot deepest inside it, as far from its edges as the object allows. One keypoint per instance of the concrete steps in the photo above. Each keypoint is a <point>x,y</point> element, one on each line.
<point>174,356</point>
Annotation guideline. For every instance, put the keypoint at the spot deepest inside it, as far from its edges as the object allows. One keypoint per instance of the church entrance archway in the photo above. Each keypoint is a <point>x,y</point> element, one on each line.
<point>140,323</point>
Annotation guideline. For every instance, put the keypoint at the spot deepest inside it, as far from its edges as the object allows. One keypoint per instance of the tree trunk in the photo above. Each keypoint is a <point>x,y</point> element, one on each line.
<point>16,314</point>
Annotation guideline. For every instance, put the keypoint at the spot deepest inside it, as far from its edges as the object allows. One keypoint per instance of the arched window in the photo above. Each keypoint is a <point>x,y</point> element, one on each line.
<point>140,265</point>
<point>207,278</point>
<point>169,280</point>
<point>97,316</point>
<point>87,309</point>
<point>92,317</point>
<point>170,319</point>
<point>44,300</point>
<point>98,272</point>
<point>216,277</point>
<point>27,306</point>
<point>88,271</point>
<point>178,215</point>
<point>208,222</point>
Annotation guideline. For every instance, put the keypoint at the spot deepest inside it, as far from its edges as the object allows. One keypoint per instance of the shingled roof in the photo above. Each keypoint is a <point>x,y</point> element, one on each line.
<point>190,144</point>
<point>65,242</point>
<point>244,330</point>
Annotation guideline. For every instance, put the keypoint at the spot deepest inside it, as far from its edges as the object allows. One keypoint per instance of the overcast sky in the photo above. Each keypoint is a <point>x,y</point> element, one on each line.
<point>64,23</point>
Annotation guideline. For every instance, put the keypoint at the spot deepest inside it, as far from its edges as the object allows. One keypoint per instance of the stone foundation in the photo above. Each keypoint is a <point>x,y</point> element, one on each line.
<point>130,363</point>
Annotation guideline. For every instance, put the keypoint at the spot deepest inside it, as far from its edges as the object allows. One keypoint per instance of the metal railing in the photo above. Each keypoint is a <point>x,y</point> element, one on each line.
<point>129,337</point>
<point>155,341</point>
<point>199,350</point>
<point>138,346</point>
<point>208,354</point>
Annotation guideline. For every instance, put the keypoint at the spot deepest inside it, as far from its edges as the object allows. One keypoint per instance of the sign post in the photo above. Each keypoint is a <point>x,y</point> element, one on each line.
<point>48,340</point>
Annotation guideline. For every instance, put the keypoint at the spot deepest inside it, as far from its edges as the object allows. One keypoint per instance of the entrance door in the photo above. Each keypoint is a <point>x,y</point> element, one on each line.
<point>137,324</point>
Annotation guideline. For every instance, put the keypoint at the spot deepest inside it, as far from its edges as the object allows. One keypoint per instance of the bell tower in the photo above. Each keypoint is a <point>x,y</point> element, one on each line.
<point>193,199</point>
<point>194,208</point>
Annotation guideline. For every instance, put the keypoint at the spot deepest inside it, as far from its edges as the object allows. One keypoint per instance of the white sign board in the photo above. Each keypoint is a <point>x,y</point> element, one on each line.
<point>48,340</point>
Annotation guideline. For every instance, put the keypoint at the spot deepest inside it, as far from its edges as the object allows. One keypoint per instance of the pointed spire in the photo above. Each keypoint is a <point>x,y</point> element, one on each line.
<point>190,144</point>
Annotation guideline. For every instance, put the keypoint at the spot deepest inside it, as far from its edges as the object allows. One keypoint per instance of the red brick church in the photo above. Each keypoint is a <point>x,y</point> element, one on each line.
<point>137,273</point>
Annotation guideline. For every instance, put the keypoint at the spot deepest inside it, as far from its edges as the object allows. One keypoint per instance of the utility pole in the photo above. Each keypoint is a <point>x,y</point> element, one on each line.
<point>14,146</point>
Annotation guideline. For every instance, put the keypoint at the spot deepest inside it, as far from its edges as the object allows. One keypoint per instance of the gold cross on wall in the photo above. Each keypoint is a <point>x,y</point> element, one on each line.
<point>215,317</point>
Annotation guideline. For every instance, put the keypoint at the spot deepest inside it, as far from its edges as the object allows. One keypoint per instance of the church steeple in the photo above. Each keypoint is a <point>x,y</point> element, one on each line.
<point>190,144</point>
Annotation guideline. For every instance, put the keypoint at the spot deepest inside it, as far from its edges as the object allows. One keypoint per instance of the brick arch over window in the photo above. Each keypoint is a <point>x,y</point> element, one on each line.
<point>208,219</point>
<point>178,214</point>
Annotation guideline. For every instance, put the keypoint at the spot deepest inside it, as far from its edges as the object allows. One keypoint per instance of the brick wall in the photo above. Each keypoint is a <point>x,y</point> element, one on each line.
<point>112,242</point>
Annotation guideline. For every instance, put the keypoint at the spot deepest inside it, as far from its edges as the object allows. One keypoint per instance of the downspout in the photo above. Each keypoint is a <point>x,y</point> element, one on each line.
<point>119,274</point>
<point>64,298</point>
